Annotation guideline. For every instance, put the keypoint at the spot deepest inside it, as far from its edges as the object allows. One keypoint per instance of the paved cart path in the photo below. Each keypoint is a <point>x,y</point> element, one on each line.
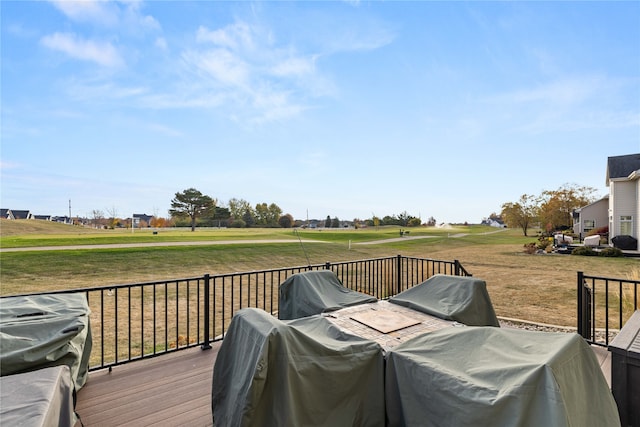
<point>152,244</point>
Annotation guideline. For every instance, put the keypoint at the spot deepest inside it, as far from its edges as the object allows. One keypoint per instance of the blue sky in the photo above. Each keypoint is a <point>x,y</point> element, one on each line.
<point>347,109</point>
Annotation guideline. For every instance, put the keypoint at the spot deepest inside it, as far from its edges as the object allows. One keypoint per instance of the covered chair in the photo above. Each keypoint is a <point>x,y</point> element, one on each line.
<point>462,299</point>
<point>476,376</point>
<point>315,292</point>
<point>40,331</point>
<point>302,372</point>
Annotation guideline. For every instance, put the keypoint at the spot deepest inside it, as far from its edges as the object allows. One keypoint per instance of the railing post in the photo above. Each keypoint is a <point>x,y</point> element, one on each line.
<point>584,308</point>
<point>580,295</point>
<point>456,266</point>
<point>207,315</point>
<point>399,275</point>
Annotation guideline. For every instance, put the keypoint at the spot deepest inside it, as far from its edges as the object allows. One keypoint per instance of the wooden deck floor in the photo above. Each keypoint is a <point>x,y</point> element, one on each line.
<point>170,390</point>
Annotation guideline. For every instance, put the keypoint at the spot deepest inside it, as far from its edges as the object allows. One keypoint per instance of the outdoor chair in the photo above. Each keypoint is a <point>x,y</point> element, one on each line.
<point>303,372</point>
<point>316,292</point>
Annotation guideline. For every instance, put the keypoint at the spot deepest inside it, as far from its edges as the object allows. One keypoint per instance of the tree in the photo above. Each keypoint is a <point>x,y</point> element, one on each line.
<point>556,207</point>
<point>267,215</point>
<point>238,207</point>
<point>286,221</point>
<point>414,222</point>
<point>327,222</point>
<point>113,217</point>
<point>335,222</point>
<point>98,218</point>
<point>191,203</point>
<point>520,214</point>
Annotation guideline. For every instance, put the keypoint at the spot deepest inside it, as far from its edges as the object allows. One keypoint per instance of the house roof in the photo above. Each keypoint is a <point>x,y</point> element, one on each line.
<point>622,166</point>
<point>20,214</point>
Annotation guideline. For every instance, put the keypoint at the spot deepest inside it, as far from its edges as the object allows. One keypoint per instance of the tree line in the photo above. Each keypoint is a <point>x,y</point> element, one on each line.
<point>552,209</point>
<point>193,208</point>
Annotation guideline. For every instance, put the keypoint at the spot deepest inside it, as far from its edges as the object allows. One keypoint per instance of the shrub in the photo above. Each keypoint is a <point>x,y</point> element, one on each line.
<point>611,252</point>
<point>602,231</point>
<point>584,250</point>
<point>238,223</point>
<point>530,248</point>
<point>544,242</point>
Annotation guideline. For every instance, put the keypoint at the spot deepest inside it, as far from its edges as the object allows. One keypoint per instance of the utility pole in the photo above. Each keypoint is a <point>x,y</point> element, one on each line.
<point>70,211</point>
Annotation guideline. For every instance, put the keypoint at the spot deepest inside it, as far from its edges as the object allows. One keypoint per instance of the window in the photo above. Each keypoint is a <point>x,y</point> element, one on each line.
<point>626,225</point>
<point>589,224</point>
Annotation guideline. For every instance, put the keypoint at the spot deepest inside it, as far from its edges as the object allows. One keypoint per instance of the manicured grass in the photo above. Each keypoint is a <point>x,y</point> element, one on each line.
<point>532,287</point>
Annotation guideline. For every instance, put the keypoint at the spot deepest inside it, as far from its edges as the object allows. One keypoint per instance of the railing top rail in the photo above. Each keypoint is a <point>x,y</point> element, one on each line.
<point>611,279</point>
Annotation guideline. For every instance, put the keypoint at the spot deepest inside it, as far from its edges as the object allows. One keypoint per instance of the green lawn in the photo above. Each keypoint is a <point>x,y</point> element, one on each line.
<point>531,287</point>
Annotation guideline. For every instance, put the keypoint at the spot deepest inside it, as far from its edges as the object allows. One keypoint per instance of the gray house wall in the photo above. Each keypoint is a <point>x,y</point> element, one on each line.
<point>590,217</point>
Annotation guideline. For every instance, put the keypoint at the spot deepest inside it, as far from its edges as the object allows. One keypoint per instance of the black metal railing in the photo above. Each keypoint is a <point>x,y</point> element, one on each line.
<point>604,306</point>
<point>142,320</point>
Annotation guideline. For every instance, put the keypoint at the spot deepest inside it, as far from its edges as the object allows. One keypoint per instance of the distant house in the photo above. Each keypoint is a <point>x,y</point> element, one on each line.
<point>21,214</point>
<point>623,180</point>
<point>6,214</point>
<point>42,217</point>
<point>493,222</point>
<point>142,219</point>
<point>62,219</point>
<point>590,217</point>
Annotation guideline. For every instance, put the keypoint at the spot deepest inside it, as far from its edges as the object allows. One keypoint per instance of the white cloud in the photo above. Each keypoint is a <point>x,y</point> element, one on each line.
<point>102,53</point>
<point>294,66</point>
<point>161,43</point>
<point>108,14</point>
<point>220,64</point>
<point>562,92</point>
<point>95,11</point>
<point>238,36</point>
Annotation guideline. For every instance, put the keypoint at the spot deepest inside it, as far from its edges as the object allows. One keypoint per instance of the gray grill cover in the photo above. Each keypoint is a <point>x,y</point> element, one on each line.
<point>315,292</point>
<point>462,299</point>
<point>302,372</point>
<point>40,331</point>
<point>42,398</point>
<point>478,376</point>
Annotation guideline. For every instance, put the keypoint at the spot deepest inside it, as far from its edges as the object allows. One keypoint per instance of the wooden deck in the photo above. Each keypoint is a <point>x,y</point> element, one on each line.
<point>170,390</point>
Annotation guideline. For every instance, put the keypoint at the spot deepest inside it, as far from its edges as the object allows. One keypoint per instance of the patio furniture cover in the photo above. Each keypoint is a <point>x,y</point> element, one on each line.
<point>462,299</point>
<point>39,331</point>
<point>315,292</point>
<point>303,372</point>
<point>477,376</point>
<point>39,398</point>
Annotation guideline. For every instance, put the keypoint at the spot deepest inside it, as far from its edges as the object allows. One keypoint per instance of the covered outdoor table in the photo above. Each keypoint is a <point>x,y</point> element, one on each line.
<point>478,376</point>
<point>40,331</point>
<point>303,372</point>
<point>463,299</point>
<point>39,398</point>
<point>315,292</point>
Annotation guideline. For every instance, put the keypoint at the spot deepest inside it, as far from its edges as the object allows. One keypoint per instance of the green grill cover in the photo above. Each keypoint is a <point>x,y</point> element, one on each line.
<point>315,292</point>
<point>40,331</point>
<point>463,299</point>
<point>478,376</point>
<point>302,372</point>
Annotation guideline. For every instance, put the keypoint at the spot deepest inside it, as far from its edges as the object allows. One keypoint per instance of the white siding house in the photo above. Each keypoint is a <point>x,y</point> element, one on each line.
<point>623,180</point>
<point>590,217</point>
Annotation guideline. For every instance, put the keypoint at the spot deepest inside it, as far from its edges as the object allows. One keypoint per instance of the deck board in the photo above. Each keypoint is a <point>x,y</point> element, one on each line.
<point>169,390</point>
